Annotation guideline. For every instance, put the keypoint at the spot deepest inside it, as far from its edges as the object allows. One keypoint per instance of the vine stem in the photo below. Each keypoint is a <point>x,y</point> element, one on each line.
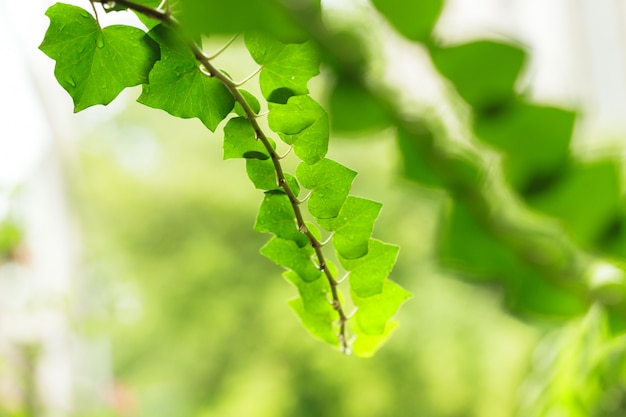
<point>167,19</point>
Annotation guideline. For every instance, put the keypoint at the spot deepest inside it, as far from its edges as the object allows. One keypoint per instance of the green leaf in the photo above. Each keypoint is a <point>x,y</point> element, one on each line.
<point>585,200</point>
<point>353,226</point>
<point>374,312</point>
<point>276,216</point>
<point>520,130</point>
<point>319,325</point>
<point>235,16</point>
<point>286,253</point>
<point>175,9</point>
<point>354,109</point>
<point>302,123</point>
<point>315,295</point>
<point>483,72</point>
<point>178,86</point>
<point>95,65</point>
<point>329,183</point>
<point>285,66</point>
<point>414,19</point>
<point>261,173</point>
<point>368,273</point>
<point>366,345</point>
<point>252,102</point>
<point>240,140</point>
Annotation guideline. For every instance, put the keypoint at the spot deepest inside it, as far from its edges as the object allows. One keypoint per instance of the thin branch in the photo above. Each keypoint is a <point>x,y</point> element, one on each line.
<point>249,77</point>
<point>223,48</point>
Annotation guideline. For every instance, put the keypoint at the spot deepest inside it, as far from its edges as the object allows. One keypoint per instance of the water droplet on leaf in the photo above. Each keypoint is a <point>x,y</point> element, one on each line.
<point>100,41</point>
<point>71,81</point>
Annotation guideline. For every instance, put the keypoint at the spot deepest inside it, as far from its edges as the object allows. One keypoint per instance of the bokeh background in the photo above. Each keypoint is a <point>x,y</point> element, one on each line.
<point>130,278</point>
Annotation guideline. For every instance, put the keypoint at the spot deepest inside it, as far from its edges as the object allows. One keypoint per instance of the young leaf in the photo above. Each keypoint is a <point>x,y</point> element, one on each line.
<point>252,102</point>
<point>374,312</point>
<point>330,184</point>
<point>240,140</point>
<point>285,66</point>
<point>303,123</point>
<point>319,325</point>
<point>353,226</point>
<point>95,65</point>
<point>286,253</point>
<point>276,216</point>
<point>368,273</point>
<point>414,19</point>
<point>177,85</point>
<point>315,295</point>
<point>366,345</point>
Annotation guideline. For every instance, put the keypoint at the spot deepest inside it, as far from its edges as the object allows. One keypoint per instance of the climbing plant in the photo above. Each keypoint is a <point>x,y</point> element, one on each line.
<point>523,214</point>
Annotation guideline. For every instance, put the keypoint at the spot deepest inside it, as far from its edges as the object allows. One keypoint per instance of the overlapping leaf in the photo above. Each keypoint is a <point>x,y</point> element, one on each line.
<point>315,296</point>
<point>365,345</point>
<point>286,253</point>
<point>276,216</point>
<point>329,183</point>
<point>240,140</point>
<point>352,226</point>
<point>368,273</point>
<point>287,68</point>
<point>94,65</point>
<point>302,123</point>
<point>319,325</point>
<point>177,85</point>
<point>374,312</point>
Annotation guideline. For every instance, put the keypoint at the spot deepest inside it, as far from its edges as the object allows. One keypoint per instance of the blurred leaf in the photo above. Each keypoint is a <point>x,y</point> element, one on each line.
<point>585,200</point>
<point>329,183</point>
<point>483,72</point>
<point>276,216</point>
<point>354,109</point>
<point>286,253</point>
<point>94,65</point>
<point>414,19</point>
<point>535,140</point>
<point>285,66</point>
<point>235,16</point>
<point>175,8</point>
<point>374,312</point>
<point>240,140</point>
<point>303,123</point>
<point>352,226</point>
<point>416,155</point>
<point>177,76</point>
<point>368,273</point>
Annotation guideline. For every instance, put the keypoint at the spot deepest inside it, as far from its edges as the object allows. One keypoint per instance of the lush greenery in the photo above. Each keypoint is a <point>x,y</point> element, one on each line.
<point>522,213</point>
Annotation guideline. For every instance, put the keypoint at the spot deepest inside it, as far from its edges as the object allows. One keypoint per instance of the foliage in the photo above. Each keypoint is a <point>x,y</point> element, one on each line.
<point>524,214</point>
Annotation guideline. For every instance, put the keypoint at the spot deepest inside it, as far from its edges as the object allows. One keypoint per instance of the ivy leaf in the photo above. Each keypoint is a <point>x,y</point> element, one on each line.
<point>178,86</point>
<point>319,325</point>
<point>286,253</point>
<point>414,19</point>
<point>276,216</point>
<point>240,140</point>
<point>330,184</point>
<point>303,123</point>
<point>315,295</point>
<point>95,65</point>
<point>261,173</point>
<point>374,312</point>
<point>368,273</point>
<point>366,345</point>
<point>252,102</point>
<point>353,226</point>
<point>347,96</point>
<point>285,66</point>
<point>483,72</point>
